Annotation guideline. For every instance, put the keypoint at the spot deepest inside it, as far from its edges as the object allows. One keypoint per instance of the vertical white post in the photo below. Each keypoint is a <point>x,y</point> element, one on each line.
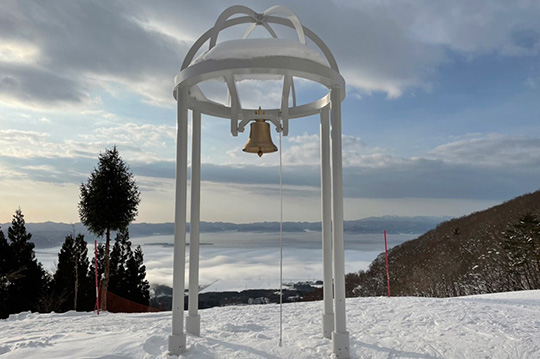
<point>340,336</point>
<point>326,209</point>
<point>177,341</point>
<point>193,320</point>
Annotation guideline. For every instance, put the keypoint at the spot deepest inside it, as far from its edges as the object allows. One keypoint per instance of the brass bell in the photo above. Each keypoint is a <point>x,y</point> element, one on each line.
<point>260,140</point>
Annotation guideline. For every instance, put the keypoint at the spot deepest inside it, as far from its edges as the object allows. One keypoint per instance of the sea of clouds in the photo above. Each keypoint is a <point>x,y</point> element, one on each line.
<point>237,261</point>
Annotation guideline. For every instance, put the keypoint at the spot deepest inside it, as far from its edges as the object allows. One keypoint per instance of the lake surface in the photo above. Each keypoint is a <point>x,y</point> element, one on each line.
<point>240,260</point>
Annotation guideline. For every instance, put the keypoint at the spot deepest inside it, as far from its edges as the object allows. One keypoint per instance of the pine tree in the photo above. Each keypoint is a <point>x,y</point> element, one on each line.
<point>127,271</point>
<point>143,287</point>
<point>72,280</point>
<point>108,202</point>
<point>5,274</point>
<point>86,294</point>
<point>522,245</point>
<point>137,285</point>
<point>29,280</point>
<point>120,255</point>
<point>64,277</point>
<point>5,256</point>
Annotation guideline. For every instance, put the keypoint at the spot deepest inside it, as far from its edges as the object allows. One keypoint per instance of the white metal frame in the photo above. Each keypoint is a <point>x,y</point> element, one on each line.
<point>190,97</point>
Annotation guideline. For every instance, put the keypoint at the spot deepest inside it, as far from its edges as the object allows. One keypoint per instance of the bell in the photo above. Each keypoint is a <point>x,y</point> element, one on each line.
<point>260,140</point>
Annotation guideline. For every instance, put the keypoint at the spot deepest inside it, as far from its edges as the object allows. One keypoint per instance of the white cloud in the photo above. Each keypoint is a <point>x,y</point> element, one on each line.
<point>383,46</point>
<point>396,46</point>
<point>15,143</point>
<point>304,150</point>
<point>144,143</point>
<point>19,52</point>
<point>145,137</point>
<point>493,150</point>
<point>509,28</point>
<point>254,93</point>
<point>75,50</point>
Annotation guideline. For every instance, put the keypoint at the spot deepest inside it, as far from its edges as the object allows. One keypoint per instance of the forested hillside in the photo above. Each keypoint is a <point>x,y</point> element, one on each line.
<point>494,250</point>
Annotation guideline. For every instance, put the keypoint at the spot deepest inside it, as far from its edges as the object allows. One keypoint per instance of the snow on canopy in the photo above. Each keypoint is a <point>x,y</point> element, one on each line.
<point>258,48</point>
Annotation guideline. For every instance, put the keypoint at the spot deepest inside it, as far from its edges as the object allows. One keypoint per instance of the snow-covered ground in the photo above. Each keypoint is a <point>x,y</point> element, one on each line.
<point>505,325</point>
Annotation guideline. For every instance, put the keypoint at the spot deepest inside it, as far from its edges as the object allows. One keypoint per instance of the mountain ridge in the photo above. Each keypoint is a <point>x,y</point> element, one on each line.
<point>50,234</point>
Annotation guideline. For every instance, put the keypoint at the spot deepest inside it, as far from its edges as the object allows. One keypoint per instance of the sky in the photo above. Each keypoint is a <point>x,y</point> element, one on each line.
<point>441,116</point>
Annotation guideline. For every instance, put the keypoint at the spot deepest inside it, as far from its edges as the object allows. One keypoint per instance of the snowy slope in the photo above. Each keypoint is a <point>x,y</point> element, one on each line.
<point>502,325</point>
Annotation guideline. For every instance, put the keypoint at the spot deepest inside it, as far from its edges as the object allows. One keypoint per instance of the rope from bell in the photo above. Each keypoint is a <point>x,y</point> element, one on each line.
<point>280,240</point>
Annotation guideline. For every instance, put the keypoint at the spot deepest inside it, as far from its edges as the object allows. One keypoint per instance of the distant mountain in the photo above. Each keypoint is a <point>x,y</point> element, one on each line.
<point>463,256</point>
<point>51,234</point>
<point>393,224</point>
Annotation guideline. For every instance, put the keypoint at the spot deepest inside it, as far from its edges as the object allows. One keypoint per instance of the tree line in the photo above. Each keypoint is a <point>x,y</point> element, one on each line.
<point>26,286</point>
<point>108,203</point>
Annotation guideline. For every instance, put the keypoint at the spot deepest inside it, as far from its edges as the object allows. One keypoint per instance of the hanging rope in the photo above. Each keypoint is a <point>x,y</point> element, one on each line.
<point>280,240</point>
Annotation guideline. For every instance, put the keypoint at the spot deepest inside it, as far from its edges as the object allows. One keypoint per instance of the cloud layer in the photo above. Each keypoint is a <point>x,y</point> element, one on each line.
<point>79,77</point>
<point>73,48</point>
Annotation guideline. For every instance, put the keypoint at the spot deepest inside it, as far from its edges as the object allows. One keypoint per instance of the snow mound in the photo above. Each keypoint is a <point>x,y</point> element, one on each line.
<point>502,325</point>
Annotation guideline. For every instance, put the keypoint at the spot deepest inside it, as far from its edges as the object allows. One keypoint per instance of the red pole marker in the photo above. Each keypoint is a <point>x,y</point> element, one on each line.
<point>387,271</point>
<point>95,266</point>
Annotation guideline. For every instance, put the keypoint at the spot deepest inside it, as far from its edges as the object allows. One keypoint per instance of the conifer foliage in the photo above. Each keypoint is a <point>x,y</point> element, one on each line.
<point>23,280</point>
<point>127,271</point>
<point>72,281</point>
<point>26,286</point>
<point>522,245</point>
<point>5,267</point>
<point>108,202</point>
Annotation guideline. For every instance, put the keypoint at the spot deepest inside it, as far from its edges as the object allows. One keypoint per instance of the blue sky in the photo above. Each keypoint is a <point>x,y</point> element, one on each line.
<point>441,115</point>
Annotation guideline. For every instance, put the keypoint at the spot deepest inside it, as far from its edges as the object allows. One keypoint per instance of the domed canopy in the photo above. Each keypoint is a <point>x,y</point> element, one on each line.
<point>263,59</point>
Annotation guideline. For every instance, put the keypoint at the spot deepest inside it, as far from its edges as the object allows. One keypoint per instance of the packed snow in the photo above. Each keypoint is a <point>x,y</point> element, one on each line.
<point>502,325</point>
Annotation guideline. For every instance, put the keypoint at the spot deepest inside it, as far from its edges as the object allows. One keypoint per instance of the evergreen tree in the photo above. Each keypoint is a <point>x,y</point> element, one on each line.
<point>137,285</point>
<point>4,254</point>
<point>127,271</point>
<point>64,277</point>
<point>108,202</point>
<point>120,255</point>
<point>143,287</point>
<point>5,273</point>
<point>72,280</point>
<point>522,245</point>
<point>85,295</point>
<point>29,280</point>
